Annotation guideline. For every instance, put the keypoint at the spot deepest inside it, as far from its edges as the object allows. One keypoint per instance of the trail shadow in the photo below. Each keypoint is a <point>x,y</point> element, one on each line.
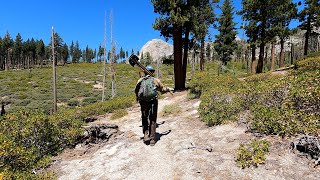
<point>159,135</point>
<point>158,124</point>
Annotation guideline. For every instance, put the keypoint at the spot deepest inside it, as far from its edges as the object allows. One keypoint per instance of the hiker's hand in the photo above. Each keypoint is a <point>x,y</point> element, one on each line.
<point>171,91</point>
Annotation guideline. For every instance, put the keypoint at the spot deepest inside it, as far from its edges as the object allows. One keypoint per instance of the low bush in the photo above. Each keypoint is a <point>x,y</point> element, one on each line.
<point>171,109</point>
<point>282,105</point>
<point>73,102</point>
<point>119,114</point>
<point>220,97</point>
<point>28,138</point>
<point>88,100</point>
<point>252,154</point>
<point>199,83</point>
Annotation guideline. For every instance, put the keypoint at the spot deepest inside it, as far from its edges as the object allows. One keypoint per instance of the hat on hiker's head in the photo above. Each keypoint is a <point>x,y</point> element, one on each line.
<point>150,68</point>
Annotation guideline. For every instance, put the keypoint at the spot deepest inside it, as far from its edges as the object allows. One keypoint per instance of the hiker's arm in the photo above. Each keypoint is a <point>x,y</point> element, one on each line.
<point>160,87</point>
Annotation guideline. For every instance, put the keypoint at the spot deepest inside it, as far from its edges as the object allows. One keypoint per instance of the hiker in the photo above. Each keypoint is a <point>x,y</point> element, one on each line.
<point>147,95</point>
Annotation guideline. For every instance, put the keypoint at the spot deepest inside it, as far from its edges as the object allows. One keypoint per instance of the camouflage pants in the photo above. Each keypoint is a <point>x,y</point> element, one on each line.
<point>149,117</point>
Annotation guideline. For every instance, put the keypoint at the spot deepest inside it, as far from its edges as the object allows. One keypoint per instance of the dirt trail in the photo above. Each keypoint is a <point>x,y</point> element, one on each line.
<point>186,149</point>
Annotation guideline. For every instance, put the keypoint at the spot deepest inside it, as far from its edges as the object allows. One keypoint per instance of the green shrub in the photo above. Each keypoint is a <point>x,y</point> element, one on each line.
<point>27,137</point>
<point>171,109</point>
<point>252,154</point>
<point>73,102</point>
<point>283,105</point>
<point>119,114</point>
<point>220,108</point>
<point>220,97</point>
<point>199,83</point>
<point>88,100</point>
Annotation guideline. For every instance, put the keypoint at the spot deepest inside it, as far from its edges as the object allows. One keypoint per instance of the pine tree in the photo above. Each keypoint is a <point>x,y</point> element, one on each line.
<point>208,52</point>
<point>17,50</point>
<point>40,51</point>
<point>202,17</point>
<point>71,50</point>
<point>7,44</point>
<point>225,41</point>
<point>76,53</point>
<point>282,17</point>
<point>64,53</point>
<point>310,18</point>
<point>177,19</point>
<point>260,17</point>
<point>32,53</point>
<point>58,43</point>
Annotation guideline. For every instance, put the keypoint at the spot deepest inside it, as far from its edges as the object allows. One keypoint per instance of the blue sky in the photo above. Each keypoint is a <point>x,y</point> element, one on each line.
<point>83,20</point>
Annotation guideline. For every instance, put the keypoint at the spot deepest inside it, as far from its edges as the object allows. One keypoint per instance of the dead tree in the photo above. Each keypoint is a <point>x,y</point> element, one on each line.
<point>54,75</point>
<point>104,58</point>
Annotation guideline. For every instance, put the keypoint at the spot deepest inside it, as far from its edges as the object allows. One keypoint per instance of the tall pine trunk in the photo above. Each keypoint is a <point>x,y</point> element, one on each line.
<point>260,60</point>
<point>272,57</point>
<point>254,59</point>
<point>202,54</point>
<point>281,63</point>
<point>177,52</point>
<point>292,53</point>
<point>307,35</point>
<point>185,54</point>
<point>266,57</point>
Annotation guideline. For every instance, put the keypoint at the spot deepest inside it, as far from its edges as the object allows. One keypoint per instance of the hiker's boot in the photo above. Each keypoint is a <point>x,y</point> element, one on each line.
<point>152,142</point>
<point>145,136</point>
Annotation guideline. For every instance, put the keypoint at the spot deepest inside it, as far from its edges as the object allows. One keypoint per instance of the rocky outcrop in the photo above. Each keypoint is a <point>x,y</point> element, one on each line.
<point>98,133</point>
<point>157,49</point>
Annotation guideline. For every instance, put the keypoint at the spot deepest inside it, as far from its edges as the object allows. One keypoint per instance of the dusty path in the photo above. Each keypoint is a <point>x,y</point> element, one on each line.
<point>186,149</point>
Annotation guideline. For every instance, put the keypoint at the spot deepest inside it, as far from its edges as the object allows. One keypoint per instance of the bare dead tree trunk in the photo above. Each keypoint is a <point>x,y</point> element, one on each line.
<point>104,59</point>
<point>113,53</point>
<point>54,75</point>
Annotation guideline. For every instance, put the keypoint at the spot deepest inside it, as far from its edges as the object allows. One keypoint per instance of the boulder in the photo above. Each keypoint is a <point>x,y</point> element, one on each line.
<point>157,49</point>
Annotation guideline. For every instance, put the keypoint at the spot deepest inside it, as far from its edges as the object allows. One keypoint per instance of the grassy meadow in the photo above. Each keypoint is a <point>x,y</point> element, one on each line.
<point>77,85</point>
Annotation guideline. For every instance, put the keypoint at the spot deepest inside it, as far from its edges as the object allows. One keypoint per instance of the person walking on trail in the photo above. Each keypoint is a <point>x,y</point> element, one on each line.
<point>147,94</point>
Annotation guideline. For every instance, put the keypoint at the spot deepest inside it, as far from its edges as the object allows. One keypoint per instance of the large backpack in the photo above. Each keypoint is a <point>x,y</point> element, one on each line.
<point>147,91</point>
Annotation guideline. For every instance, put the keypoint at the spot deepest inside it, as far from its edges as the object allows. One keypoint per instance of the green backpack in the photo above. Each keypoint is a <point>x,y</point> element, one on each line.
<point>147,91</point>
